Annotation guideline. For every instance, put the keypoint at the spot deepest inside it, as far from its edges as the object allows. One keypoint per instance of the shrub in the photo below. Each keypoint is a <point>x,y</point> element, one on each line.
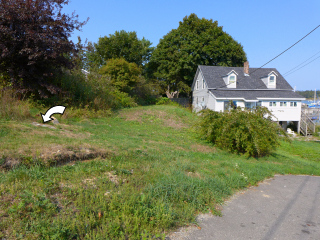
<point>165,101</point>
<point>124,76</point>
<point>248,132</point>
<point>93,91</point>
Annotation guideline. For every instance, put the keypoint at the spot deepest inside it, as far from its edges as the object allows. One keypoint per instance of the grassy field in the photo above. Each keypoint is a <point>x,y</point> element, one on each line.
<point>135,175</point>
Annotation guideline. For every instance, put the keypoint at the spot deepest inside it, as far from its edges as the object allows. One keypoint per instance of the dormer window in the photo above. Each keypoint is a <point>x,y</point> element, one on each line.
<point>272,80</point>
<point>232,79</point>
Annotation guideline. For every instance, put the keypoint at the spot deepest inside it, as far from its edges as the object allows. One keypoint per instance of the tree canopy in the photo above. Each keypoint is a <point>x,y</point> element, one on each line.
<point>195,42</point>
<point>309,93</point>
<point>123,75</point>
<point>121,44</point>
<point>34,43</point>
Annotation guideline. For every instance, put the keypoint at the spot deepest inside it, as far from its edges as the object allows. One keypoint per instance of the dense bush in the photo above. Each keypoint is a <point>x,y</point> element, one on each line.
<point>93,91</point>
<point>126,78</point>
<point>249,132</point>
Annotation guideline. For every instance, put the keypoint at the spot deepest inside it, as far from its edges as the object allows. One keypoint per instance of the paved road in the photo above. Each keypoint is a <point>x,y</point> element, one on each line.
<point>284,207</point>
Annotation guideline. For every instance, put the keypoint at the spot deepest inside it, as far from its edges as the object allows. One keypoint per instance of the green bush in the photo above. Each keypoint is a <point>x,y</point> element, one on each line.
<point>92,91</point>
<point>127,80</point>
<point>240,131</point>
<point>165,101</point>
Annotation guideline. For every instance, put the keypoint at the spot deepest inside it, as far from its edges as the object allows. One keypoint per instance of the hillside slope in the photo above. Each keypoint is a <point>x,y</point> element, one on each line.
<point>137,174</point>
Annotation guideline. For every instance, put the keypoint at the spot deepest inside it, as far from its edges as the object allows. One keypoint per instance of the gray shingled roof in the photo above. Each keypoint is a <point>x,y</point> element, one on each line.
<point>248,87</point>
<point>213,76</point>
<point>255,95</point>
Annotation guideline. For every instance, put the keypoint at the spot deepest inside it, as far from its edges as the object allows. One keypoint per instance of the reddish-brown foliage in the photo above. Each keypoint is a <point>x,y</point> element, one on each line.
<point>34,43</point>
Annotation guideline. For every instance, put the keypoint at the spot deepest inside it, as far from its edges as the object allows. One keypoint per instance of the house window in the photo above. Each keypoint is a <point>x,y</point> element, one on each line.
<point>272,80</point>
<point>234,104</point>
<point>197,85</point>
<point>202,99</point>
<point>293,104</point>
<point>202,83</point>
<point>283,104</point>
<point>226,105</point>
<point>248,105</point>
<point>272,104</point>
<point>259,104</point>
<point>232,80</point>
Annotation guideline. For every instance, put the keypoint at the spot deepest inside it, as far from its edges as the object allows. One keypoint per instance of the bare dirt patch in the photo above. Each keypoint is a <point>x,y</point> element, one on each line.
<point>60,130</point>
<point>54,155</point>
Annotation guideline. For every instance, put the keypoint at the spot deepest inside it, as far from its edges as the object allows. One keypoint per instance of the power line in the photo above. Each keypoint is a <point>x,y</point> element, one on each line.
<point>303,66</point>
<point>284,52</point>
<point>278,56</point>
<point>288,48</point>
<point>287,73</point>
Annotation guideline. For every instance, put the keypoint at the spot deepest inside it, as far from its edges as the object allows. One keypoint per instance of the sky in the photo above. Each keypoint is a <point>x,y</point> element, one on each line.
<point>263,28</point>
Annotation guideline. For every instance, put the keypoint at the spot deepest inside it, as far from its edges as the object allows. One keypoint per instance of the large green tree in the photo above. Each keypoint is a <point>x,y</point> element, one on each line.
<point>127,78</point>
<point>121,44</point>
<point>34,43</point>
<point>195,42</point>
<point>123,75</point>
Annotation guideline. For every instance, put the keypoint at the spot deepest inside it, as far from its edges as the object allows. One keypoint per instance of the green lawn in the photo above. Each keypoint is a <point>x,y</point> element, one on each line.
<point>143,173</point>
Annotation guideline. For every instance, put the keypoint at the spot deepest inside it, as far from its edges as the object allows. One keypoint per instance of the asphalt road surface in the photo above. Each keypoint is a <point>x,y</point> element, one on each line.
<point>284,207</point>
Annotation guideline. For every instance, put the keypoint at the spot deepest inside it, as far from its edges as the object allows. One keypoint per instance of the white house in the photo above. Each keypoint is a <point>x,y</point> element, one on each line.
<point>214,87</point>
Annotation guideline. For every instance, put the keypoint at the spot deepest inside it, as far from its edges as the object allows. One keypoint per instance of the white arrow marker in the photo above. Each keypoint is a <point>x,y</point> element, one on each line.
<point>53,110</point>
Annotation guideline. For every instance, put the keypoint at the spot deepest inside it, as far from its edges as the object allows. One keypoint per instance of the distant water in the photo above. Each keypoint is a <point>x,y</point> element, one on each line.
<point>309,101</point>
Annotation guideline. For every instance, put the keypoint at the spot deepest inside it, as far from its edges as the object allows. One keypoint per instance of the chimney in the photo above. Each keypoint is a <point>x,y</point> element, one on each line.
<point>246,68</point>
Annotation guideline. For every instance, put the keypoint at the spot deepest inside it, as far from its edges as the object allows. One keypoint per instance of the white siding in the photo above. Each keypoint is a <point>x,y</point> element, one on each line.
<point>211,102</point>
<point>219,106</point>
<point>241,104</point>
<point>201,94</point>
<point>284,113</point>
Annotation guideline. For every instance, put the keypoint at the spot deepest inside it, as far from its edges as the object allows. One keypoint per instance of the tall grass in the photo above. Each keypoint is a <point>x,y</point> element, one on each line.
<point>11,108</point>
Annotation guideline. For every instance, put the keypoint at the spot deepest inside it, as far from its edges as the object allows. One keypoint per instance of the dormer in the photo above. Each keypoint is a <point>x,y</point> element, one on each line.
<point>271,80</point>
<point>231,79</point>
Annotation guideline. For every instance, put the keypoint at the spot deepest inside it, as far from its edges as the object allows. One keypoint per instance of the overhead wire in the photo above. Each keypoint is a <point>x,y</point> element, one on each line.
<point>292,69</point>
<point>225,85</point>
<point>301,67</point>
<point>284,52</point>
<point>288,48</point>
